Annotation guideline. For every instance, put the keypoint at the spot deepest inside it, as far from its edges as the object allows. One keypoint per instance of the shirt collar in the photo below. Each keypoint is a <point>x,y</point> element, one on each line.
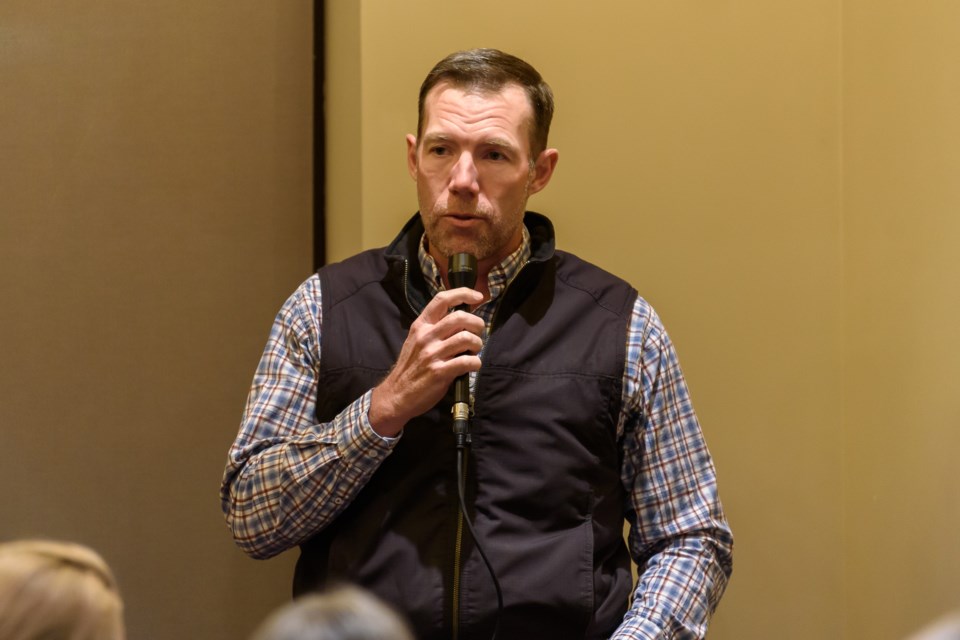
<point>498,278</point>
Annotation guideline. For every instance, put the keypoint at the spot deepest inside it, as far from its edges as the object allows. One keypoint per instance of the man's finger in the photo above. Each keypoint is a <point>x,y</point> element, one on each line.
<point>446,300</point>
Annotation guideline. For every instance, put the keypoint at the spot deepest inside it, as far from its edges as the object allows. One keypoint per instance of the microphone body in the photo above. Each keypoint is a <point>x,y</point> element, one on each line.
<point>462,272</point>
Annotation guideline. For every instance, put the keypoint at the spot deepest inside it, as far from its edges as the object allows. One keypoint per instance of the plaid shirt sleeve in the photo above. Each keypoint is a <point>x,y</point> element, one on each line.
<point>679,536</point>
<point>287,477</point>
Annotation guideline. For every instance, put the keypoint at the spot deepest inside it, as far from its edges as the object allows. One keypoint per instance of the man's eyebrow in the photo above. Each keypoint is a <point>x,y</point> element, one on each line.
<point>499,142</point>
<point>435,138</point>
<point>431,138</point>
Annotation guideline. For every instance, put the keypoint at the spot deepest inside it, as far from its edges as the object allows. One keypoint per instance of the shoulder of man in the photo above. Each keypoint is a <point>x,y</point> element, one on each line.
<point>339,280</point>
<point>608,290</point>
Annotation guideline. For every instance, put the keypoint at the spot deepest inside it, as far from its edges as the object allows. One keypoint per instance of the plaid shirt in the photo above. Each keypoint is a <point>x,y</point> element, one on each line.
<point>287,477</point>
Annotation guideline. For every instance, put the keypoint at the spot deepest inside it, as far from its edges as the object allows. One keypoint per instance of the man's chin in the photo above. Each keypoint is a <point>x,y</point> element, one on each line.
<point>446,246</point>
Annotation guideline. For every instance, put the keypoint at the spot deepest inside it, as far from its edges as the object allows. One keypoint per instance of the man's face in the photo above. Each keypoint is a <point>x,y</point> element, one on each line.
<point>473,171</point>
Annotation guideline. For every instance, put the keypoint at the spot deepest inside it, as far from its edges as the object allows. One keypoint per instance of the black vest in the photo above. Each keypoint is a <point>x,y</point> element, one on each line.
<point>543,475</point>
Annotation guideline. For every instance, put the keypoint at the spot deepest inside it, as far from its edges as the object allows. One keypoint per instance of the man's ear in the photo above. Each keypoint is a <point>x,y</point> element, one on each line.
<point>412,155</point>
<point>543,169</point>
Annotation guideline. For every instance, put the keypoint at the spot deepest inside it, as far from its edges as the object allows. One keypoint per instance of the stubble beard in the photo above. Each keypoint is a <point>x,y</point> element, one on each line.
<point>491,238</point>
<point>482,243</point>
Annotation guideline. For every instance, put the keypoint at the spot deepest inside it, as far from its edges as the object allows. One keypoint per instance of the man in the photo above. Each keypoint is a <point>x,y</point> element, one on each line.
<point>581,416</point>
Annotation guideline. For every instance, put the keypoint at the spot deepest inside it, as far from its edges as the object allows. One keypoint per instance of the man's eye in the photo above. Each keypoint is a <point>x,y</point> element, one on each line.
<point>496,155</point>
<point>438,151</point>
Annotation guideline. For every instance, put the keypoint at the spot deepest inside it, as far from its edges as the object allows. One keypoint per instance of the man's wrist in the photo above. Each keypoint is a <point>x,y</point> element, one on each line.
<point>382,415</point>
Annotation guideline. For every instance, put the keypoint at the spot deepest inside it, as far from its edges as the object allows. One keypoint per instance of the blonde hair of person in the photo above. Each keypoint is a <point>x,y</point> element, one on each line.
<point>342,613</point>
<point>57,591</point>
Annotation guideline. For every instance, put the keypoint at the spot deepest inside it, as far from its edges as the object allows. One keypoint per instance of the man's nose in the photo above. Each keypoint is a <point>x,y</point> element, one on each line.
<point>463,179</point>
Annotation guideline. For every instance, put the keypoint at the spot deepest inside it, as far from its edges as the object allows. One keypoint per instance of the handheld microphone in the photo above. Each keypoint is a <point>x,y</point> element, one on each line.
<point>462,272</point>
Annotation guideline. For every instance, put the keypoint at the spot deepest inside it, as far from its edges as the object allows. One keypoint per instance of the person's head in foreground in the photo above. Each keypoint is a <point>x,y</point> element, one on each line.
<point>57,591</point>
<point>343,613</point>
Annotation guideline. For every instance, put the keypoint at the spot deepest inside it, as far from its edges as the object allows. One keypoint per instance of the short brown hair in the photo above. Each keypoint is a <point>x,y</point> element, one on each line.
<point>489,70</point>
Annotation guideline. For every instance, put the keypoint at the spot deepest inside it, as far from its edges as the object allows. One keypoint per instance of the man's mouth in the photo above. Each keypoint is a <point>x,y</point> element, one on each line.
<point>463,217</point>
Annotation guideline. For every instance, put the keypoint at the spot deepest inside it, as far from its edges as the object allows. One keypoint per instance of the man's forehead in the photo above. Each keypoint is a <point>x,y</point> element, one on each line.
<point>510,98</point>
<point>449,91</point>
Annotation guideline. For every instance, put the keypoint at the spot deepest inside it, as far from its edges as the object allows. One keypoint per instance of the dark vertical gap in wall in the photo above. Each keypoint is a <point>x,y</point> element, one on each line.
<point>319,139</point>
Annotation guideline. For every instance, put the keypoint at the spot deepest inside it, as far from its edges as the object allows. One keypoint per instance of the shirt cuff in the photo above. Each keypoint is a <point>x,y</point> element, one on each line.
<point>366,431</point>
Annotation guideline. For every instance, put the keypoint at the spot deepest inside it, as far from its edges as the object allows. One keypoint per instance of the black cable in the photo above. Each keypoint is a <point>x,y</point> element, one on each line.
<point>461,453</point>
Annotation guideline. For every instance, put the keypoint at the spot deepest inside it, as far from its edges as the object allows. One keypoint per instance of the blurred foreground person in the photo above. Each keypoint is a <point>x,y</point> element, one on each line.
<point>344,613</point>
<point>57,591</point>
<point>945,628</point>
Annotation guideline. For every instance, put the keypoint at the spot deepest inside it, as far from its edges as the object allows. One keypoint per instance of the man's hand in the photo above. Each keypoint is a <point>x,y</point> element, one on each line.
<point>439,347</point>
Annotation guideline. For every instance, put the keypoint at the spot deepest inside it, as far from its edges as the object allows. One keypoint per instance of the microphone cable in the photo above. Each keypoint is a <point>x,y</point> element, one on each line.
<point>461,477</point>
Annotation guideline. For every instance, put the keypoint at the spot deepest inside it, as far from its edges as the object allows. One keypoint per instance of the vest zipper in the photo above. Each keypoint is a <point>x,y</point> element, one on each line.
<point>459,543</point>
<point>406,287</point>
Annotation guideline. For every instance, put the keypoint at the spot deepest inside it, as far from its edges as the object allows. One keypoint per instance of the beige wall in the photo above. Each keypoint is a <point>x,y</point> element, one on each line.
<point>771,176</point>
<point>154,213</point>
<point>902,292</point>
